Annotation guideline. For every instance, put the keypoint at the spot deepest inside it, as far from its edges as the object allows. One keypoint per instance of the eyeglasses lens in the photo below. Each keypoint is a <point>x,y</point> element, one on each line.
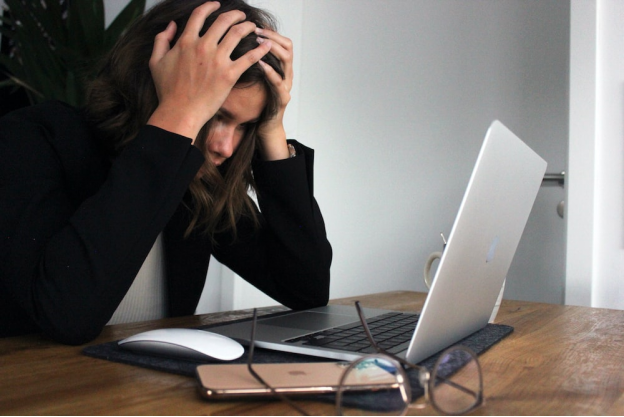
<point>373,385</point>
<point>456,384</point>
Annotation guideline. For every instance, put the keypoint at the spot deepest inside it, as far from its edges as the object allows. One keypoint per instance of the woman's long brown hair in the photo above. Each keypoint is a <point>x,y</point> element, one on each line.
<point>123,97</point>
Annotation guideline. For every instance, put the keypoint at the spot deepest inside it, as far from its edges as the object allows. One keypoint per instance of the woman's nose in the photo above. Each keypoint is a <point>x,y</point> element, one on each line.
<point>224,142</point>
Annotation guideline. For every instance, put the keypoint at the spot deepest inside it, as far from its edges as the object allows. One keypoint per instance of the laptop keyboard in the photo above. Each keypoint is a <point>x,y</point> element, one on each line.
<point>392,332</point>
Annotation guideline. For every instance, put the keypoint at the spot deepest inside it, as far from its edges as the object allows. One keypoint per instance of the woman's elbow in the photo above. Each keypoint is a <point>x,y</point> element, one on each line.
<point>71,331</point>
<point>313,293</point>
<point>76,338</point>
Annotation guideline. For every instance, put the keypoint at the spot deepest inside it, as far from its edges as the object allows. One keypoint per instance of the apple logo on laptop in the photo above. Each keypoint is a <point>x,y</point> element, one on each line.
<point>490,255</point>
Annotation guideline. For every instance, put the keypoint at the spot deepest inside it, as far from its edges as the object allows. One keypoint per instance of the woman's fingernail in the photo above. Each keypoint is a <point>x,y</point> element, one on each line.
<point>258,31</point>
<point>260,40</point>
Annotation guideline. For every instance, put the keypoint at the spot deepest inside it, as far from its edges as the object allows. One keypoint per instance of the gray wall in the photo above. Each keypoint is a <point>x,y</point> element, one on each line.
<point>396,97</point>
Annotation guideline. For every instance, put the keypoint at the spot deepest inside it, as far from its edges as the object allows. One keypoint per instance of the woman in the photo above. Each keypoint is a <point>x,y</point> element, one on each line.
<point>160,159</point>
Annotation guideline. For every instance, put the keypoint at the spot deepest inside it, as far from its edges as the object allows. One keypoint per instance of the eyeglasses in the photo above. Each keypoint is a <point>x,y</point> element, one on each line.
<point>454,386</point>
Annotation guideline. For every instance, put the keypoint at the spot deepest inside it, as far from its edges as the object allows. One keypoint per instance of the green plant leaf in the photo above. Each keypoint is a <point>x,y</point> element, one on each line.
<point>35,66</point>
<point>7,83</point>
<point>31,41</point>
<point>78,40</point>
<point>41,68</point>
<point>55,53</point>
<point>50,16</point>
<point>18,82</point>
<point>6,21</point>
<point>73,90</point>
<point>13,67</point>
<point>6,32</point>
<point>86,20</point>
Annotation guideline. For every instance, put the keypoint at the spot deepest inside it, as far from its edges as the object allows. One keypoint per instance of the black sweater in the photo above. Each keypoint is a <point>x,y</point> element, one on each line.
<point>76,225</point>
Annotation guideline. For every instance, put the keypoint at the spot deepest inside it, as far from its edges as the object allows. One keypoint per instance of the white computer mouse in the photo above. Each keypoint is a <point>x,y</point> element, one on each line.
<point>184,343</point>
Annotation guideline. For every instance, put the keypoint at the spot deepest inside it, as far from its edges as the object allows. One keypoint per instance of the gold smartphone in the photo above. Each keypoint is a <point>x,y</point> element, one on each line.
<point>230,381</point>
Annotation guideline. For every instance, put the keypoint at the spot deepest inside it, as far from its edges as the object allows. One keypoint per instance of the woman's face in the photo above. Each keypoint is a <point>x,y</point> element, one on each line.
<point>241,109</point>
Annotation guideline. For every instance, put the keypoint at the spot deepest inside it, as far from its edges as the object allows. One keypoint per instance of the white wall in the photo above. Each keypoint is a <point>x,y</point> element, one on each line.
<point>396,100</point>
<point>608,285</point>
<point>596,242</point>
<point>581,159</point>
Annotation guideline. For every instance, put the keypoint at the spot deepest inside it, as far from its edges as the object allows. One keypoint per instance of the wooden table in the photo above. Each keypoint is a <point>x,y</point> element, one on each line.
<point>559,360</point>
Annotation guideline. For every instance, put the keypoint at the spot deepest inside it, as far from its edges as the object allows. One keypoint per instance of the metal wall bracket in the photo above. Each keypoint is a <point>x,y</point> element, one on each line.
<point>558,178</point>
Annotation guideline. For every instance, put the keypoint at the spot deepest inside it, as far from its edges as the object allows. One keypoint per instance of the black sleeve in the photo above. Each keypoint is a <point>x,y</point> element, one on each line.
<point>67,264</point>
<point>289,257</point>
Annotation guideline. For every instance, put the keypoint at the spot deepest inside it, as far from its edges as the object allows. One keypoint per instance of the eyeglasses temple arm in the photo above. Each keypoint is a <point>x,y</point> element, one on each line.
<point>369,335</point>
<point>252,343</point>
<point>378,348</point>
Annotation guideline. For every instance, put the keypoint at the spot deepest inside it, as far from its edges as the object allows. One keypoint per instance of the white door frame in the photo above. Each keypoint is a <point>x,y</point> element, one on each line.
<point>581,153</point>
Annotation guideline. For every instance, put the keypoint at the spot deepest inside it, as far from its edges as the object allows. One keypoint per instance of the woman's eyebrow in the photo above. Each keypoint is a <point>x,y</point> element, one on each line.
<point>228,115</point>
<point>252,121</point>
<point>224,113</point>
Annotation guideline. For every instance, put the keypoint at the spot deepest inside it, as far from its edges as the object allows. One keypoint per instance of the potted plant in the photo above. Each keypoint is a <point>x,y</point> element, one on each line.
<point>54,45</point>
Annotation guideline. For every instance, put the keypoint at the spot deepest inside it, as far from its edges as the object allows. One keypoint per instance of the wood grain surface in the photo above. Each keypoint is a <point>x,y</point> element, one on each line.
<point>559,360</point>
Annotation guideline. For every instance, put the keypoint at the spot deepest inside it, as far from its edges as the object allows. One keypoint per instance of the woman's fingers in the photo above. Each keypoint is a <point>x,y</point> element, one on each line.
<point>280,40</point>
<point>224,36</point>
<point>282,48</point>
<point>198,17</point>
<point>162,43</point>
<point>222,25</point>
<point>272,132</point>
<point>252,57</point>
<point>271,74</point>
<point>234,35</point>
<point>195,76</point>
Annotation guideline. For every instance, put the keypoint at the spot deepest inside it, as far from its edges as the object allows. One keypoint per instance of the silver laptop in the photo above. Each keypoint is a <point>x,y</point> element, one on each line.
<point>473,267</point>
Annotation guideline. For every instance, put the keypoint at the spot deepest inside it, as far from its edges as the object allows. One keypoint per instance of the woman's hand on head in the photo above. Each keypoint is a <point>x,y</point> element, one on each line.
<point>272,132</point>
<point>195,76</point>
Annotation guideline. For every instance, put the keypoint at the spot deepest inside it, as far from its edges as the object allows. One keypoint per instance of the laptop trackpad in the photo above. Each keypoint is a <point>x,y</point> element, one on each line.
<point>308,321</point>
